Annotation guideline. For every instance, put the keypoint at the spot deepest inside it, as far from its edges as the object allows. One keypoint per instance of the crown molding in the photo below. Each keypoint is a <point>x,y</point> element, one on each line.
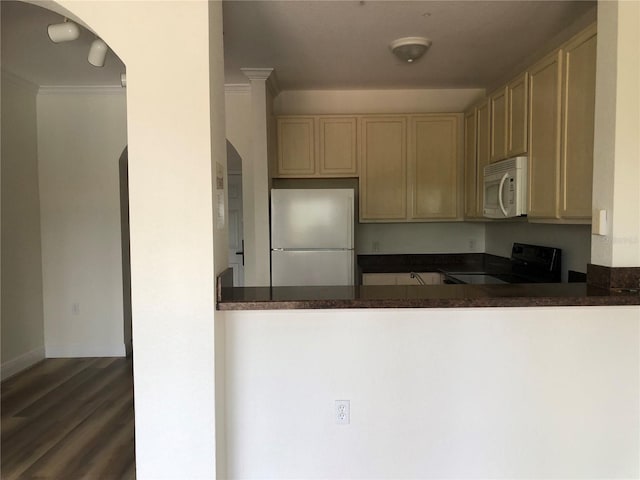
<point>237,88</point>
<point>267,75</point>
<point>82,90</point>
<point>9,76</point>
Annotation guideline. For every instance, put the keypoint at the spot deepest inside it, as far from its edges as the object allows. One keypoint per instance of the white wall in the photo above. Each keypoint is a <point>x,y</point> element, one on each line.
<point>221,232</point>
<point>22,317</point>
<point>300,102</point>
<point>80,139</point>
<point>574,240</point>
<point>169,127</point>
<point>616,169</point>
<point>435,393</point>
<point>237,117</point>
<point>256,181</point>
<point>457,237</point>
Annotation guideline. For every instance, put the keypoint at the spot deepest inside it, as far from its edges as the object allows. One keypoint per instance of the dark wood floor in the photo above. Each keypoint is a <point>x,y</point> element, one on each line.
<point>69,419</point>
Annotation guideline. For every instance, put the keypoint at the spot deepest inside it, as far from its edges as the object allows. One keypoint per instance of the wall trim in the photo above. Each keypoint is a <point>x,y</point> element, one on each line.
<point>81,90</point>
<point>237,88</point>
<point>19,81</point>
<point>79,350</point>
<point>21,362</point>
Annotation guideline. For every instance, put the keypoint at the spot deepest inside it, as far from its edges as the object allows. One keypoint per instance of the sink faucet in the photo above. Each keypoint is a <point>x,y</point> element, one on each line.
<point>417,277</point>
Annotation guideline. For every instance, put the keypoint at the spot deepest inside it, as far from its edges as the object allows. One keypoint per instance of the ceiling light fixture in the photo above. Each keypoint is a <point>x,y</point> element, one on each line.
<point>410,49</point>
<point>97,53</point>
<point>63,32</point>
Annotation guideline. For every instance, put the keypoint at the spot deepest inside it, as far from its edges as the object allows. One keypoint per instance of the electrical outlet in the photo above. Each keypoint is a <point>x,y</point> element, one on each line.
<point>343,412</point>
<point>75,309</point>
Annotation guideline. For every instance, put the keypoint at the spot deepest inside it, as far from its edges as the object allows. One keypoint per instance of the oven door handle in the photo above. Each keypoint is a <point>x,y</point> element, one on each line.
<point>502,180</point>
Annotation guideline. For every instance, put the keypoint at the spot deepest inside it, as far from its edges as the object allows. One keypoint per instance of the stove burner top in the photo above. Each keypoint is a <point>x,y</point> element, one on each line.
<point>529,264</point>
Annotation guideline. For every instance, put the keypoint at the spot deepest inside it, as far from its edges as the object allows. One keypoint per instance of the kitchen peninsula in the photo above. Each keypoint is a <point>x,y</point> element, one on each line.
<point>598,290</point>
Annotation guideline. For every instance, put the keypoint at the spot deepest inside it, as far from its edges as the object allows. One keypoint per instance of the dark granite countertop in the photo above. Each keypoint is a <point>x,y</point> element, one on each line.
<point>415,296</point>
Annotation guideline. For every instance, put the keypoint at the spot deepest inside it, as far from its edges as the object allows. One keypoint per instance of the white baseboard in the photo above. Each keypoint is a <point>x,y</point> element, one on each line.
<point>79,350</point>
<point>22,362</point>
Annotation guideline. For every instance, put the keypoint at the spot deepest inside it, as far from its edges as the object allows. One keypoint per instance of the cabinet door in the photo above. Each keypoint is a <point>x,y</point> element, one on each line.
<point>379,279</point>
<point>470,164</point>
<point>483,134</point>
<point>517,116</point>
<point>296,147</point>
<point>434,167</point>
<point>337,146</point>
<point>577,129</point>
<point>498,105</point>
<point>545,102</point>
<point>383,168</point>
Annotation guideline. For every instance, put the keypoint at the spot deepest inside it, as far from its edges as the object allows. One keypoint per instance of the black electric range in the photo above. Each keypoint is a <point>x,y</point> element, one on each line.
<point>527,264</point>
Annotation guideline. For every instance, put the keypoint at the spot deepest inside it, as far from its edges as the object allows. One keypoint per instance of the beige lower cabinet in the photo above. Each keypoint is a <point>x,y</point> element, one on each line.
<point>383,168</point>
<point>429,278</point>
<point>317,146</point>
<point>434,167</point>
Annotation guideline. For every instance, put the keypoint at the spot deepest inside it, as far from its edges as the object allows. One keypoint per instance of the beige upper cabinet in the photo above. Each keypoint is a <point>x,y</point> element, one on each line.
<point>296,146</point>
<point>477,141</point>
<point>434,167</point>
<point>470,164</point>
<point>483,134</point>
<point>383,168</point>
<point>517,116</point>
<point>579,84</point>
<point>337,146</point>
<point>498,105</point>
<point>317,146</point>
<point>545,116</point>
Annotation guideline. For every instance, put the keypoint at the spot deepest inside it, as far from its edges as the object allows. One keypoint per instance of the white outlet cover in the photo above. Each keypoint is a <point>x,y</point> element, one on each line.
<point>343,412</point>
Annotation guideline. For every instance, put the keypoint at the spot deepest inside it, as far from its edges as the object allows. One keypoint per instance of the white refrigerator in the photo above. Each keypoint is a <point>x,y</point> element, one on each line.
<point>312,237</point>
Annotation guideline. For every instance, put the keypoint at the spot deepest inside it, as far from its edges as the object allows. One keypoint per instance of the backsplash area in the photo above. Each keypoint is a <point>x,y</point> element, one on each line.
<point>387,238</point>
<point>495,238</point>
<point>574,240</point>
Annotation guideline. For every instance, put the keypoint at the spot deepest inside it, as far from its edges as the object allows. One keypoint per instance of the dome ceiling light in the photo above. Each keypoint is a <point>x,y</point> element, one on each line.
<point>410,49</point>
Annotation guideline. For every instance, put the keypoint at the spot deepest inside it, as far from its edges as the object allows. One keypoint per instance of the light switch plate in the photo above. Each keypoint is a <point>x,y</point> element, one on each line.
<point>599,222</point>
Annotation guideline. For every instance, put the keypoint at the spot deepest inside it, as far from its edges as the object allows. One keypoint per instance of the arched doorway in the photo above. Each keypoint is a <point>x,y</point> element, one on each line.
<point>72,130</point>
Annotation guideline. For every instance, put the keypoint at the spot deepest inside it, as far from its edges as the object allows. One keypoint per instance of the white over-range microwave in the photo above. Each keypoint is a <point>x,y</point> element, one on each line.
<point>505,188</point>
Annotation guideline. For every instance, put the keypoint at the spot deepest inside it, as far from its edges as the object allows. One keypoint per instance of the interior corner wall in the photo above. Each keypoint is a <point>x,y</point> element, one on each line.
<point>22,316</point>
<point>80,139</point>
